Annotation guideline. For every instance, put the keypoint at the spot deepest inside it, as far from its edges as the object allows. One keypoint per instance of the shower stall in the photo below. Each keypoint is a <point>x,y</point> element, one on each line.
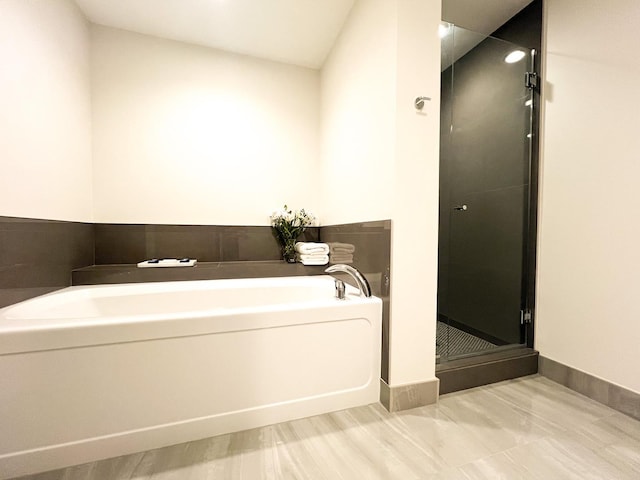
<point>486,244</point>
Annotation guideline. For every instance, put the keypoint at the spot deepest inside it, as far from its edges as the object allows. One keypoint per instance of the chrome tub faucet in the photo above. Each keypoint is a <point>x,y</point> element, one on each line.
<point>361,281</point>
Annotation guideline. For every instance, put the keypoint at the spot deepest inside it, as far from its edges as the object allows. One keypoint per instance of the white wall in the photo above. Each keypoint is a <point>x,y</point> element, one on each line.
<point>414,242</point>
<point>380,158</point>
<point>358,105</point>
<point>589,255</point>
<point>185,134</point>
<point>45,120</point>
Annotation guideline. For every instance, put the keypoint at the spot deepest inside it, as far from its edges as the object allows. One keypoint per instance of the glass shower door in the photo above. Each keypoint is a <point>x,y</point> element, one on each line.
<point>484,194</point>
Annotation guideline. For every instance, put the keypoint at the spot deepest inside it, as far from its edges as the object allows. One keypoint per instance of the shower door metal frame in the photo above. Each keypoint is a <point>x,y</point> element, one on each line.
<point>530,255</point>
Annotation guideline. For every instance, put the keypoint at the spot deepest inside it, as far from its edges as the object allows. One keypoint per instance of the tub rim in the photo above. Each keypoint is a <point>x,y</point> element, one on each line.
<point>58,334</point>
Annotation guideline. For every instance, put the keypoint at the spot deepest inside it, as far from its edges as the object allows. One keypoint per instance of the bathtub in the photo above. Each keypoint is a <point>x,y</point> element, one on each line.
<point>100,371</point>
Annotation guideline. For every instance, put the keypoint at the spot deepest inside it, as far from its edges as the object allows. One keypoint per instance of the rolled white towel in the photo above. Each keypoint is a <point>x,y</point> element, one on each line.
<point>341,258</point>
<point>337,247</point>
<point>307,248</point>
<point>313,259</point>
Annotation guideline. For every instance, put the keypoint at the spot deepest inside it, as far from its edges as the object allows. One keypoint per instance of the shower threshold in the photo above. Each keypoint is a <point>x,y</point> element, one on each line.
<point>474,370</point>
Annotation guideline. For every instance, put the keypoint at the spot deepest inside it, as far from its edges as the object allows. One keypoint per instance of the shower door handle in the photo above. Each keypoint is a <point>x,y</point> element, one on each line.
<point>461,207</point>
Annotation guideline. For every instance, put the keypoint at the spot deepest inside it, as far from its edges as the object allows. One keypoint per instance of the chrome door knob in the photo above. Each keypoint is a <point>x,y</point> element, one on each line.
<point>460,207</point>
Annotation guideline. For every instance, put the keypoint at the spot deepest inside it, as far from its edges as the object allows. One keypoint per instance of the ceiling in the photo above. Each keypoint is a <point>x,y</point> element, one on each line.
<point>482,16</point>
<point>476,19</point>
<point>299,32</point>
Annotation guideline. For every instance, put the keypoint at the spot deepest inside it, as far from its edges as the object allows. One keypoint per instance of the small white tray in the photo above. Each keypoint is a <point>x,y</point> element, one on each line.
<point>168,262</point>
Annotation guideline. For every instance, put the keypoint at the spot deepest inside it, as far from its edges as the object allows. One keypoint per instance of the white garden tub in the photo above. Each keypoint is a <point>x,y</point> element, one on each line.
<point>99,371</point>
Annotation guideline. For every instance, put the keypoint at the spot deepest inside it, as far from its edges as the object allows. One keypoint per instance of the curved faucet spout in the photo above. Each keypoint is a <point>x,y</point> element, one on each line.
<point>359,278</point>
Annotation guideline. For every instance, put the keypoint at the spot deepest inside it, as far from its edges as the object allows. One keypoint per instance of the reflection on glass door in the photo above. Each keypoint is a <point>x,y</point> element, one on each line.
<point>484,193</point>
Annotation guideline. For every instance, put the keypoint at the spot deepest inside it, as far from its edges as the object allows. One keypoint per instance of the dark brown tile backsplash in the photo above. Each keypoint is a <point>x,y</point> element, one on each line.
<point>127,244</point>
<point>37,256</point>
<point>116,244</point>
<point>110,274</point>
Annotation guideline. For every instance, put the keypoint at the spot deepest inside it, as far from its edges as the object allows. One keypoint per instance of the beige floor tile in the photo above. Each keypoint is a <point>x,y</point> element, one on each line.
<point>550,401</point>
<point>527,428</point>
<point>495,467</point>
<point>493,422</point>
<point>568,456</point>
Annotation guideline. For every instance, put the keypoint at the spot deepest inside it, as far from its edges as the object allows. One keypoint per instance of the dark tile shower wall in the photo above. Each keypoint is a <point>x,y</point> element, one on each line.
<point>372,256</point>
<point>525,28</point>
<point>37,256</point>
<point>486,167</point>
<point>489,162</point>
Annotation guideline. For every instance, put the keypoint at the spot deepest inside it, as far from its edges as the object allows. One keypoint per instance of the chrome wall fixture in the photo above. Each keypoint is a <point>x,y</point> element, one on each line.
<point>419,102</point>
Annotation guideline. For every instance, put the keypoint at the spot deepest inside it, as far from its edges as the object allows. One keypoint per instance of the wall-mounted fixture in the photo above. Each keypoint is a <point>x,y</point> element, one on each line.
<point>419,102</point>
<point>514,56</point>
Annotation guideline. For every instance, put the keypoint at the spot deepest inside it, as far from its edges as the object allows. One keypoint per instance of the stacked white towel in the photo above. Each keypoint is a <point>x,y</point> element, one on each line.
<point>312,253</point>
<point>341,252</point>
<point>312,248</point>
<point>313,259</point>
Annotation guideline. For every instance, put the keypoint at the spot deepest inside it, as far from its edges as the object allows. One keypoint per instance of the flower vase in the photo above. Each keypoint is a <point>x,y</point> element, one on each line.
<point>289,250</point>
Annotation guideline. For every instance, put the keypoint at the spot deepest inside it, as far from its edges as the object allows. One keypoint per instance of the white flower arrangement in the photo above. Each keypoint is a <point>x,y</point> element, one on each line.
<point>288,225</point>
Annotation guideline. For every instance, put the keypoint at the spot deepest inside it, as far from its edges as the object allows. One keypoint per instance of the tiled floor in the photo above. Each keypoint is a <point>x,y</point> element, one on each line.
<point>529,428</point>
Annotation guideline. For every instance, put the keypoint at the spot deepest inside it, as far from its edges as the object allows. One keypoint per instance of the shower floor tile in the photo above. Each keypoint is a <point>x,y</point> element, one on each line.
<point>452,342</point>
<point>527,428</point>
